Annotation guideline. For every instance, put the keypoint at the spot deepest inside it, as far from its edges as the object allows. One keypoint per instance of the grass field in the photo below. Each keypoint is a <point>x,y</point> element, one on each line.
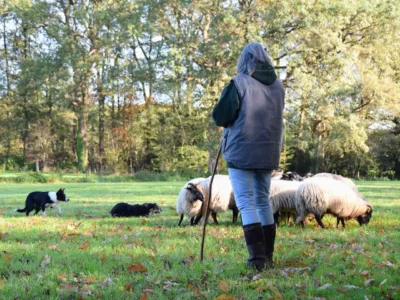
<point>87,254</point>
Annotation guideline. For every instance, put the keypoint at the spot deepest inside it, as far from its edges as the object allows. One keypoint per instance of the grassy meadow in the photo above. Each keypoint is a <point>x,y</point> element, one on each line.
<point>86,254</point>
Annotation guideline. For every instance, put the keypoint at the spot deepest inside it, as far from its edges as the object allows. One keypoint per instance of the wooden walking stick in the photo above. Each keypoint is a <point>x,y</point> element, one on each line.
<point>208,204</point>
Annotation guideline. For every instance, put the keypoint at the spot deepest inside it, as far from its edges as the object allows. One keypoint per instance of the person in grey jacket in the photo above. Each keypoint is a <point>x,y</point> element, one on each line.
<point>251,111</point>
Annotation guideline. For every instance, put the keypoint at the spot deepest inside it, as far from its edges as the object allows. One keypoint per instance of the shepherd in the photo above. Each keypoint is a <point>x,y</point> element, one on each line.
<point>250,109</point>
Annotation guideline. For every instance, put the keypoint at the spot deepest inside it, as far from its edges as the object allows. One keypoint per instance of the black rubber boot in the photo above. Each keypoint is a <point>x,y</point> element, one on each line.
<point>254,236</point>
<point>269,238</point>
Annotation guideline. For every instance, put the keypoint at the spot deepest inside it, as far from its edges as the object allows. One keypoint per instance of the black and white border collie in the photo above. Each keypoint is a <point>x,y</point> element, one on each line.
<point>40,200</point>
<point>137,210</point>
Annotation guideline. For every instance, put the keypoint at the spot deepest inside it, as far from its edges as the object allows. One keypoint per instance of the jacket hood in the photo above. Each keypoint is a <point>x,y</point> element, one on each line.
<point>264,73</point>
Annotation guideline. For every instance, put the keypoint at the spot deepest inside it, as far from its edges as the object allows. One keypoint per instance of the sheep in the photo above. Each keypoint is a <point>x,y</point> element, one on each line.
<point>327,195</point>
<point>282,195</point>
<point>222,197</point>
<point>345,180</point>
<point>190,200</point>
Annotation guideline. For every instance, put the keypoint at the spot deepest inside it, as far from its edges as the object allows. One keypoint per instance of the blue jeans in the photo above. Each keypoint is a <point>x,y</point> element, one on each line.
<point>251,189</point>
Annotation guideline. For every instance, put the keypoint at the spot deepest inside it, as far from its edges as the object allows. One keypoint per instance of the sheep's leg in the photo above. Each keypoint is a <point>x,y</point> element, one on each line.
<point>195,220</point>
<point>214,216</point>
<point>339,220</point>
<point>276,218</point>
<point>235,215</point>
<point>180,220</point>
<point>318,219</point>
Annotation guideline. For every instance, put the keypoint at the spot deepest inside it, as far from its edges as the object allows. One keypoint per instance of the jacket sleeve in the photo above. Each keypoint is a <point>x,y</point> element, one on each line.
<point>225,111</point>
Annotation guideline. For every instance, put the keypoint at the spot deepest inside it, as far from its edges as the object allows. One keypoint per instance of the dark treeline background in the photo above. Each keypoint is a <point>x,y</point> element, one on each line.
<point>129,85</point>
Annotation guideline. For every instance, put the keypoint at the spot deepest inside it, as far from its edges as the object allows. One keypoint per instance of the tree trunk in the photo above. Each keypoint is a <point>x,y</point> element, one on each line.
<point>101,99</point>
<point>8,86</point>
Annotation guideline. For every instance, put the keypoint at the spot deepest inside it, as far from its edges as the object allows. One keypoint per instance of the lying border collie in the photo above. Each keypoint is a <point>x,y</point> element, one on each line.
<point>137,210</point>
<point>40,200</point>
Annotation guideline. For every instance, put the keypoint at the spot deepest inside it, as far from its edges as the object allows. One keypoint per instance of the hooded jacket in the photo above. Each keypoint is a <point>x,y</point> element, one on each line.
<point>251,110</point>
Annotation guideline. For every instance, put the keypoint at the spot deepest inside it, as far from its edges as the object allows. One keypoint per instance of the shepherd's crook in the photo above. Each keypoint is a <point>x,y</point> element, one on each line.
<point>208,204</point>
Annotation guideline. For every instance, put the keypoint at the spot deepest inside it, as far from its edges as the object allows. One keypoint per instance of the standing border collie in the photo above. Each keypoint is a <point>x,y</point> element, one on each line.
<point>137,210</point>
<point>40,200</point>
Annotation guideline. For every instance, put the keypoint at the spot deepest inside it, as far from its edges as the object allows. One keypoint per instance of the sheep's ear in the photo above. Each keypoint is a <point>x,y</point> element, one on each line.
<point>369,209</point>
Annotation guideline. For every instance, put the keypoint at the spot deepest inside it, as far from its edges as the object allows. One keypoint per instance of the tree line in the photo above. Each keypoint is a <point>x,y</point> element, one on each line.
<point>129,85</point>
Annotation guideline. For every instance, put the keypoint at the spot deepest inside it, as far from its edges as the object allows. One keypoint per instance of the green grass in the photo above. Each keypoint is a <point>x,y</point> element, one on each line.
<point>87,254</point>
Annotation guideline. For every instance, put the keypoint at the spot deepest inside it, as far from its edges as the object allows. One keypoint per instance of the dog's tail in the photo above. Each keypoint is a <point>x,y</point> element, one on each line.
<point>20,210</point>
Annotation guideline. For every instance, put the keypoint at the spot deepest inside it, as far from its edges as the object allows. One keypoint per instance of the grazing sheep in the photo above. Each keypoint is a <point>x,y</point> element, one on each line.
<point>282,195</point>
<point>190,200</point>
<point>345,180</point>
<point>327,195</point>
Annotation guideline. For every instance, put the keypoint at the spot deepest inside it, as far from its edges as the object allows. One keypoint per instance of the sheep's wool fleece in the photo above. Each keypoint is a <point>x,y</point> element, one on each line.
<point>326,195</point>
<point>188,208</point>
<point>283,194</point>
<point>222,193</point>
<point>345,180</point>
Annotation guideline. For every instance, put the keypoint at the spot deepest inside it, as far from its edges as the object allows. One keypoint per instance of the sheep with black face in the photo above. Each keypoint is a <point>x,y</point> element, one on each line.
<point>190,204</point>
<point>325,195</point>
<point>190,200</point>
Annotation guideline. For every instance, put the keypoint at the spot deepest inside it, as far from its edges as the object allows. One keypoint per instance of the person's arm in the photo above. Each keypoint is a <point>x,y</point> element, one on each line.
<point>225,111</point>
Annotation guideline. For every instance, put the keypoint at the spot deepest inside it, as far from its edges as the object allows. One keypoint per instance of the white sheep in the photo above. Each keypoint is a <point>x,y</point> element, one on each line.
<point>326,195</point>
<point>222,197</point>
<point>282,195</point>
<point>190,200</point>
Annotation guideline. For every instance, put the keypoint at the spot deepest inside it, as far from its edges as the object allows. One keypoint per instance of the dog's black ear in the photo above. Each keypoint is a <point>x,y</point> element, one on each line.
<point>63,189</point>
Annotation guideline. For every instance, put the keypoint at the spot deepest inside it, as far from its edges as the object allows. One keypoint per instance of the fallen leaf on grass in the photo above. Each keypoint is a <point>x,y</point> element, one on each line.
<point>144,297</point>
<point>129,287</point>
<point>223,286</point>
<point>325,286</point>
<point>296,270</point>
<point>261,288</point>
<point>1,283</point>
<point>168,285</point>
<point>54,247</point>
<point>225,297</point>
<point>107,282</point>
<point>46,261</point>
<point>345,288</point>
<point>388,263</point>
<point>8,257</point>
<point>334,246</point>
<point>369,281</point>
<point>365,273</point>
<point>89,233</point>
<point>383,282</point>
<point>62,277</point>
<point>256,277</point>
<point>195,290</point>
<point>357,247</point>
<point>84,246</point>
<point>137,267</point>
<point>188,260</point>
